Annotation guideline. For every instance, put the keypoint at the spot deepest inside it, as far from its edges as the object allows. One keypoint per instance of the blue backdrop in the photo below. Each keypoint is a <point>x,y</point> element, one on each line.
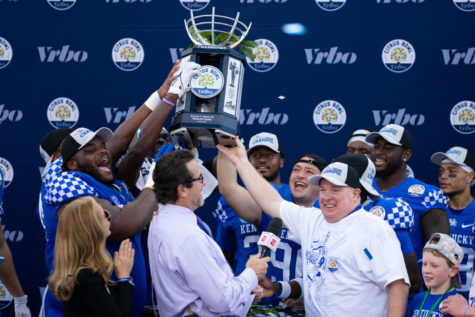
<point>350,63</point>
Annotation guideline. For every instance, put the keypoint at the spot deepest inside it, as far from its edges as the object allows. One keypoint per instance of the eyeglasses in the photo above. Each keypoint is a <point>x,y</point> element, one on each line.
<point>107,215</point>
<point>199,178</point>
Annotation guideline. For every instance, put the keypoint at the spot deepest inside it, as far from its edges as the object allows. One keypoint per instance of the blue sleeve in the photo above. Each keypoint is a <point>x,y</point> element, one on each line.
<point>225,238</point>
<point>405,240</point>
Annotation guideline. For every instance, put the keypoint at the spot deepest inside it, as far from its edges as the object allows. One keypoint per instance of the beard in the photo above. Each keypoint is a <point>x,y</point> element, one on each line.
<point>94,172</point>
<point>390,169</point>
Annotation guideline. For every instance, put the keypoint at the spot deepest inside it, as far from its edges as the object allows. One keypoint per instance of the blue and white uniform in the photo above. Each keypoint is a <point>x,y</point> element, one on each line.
<point>238,236</point>
<point>61,187</point>
<point>462,230</point>
<point>398,214</point>
<point>422,198</point>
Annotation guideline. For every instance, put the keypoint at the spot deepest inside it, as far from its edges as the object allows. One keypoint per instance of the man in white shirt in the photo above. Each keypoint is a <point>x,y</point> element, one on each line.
<point>350,256</point>
<point>189,271</point>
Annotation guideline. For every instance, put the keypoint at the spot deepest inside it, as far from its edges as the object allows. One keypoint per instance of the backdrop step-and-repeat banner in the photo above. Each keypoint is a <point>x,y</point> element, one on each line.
<point>323,68</point>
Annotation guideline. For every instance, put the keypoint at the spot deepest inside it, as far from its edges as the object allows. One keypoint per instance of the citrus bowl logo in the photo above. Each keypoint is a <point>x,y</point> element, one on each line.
<point>61,4</point>
<point>462,117</point>
<point>62,113</point>
<point>194,5</point>
<point>398,55</point>
<point>208,84</point>
<point>330,5</point>
<point>266,56</point>
<point>6,52</point>
<point>128,54</point>
<point>329,116</point>
<point>7,171</point>
<point>465,5</point>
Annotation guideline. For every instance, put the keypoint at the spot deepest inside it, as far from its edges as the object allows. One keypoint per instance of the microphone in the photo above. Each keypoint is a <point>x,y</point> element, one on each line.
<point>269,239</point>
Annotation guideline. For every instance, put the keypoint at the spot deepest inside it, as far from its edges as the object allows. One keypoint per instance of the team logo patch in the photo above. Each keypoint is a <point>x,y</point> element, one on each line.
<point>194,5</point>
<point>462,117</point>
<point>378,211</point>
<point>62,113</point>
<point>329,116</point>
<point>416,190</point>
<point>330,5</point>
<point>61,4</point>
<point>208,84</point>
<point>6,53</point>
<point>7,171</point>
<point>465,5</point>
<point>332,264</point>
<point>398,55</point>
<point>128,54</point>
<point>266,56</point>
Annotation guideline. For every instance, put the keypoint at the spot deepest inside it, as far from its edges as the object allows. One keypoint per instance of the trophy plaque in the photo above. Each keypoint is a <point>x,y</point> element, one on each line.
<point>208,114</point>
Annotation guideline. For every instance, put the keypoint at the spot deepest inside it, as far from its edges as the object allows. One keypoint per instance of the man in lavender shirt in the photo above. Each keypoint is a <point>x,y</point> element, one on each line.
<point>189,271</point>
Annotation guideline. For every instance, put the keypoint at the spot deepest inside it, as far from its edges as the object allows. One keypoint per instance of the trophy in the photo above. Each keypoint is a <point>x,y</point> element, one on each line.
<point>208,114</point>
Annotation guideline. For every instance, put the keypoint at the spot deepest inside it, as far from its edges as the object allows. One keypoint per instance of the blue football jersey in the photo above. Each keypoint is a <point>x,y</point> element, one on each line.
<point>422,198</point>
<point>398,214</point>
<point>462,230</point>
<point>232,229</point>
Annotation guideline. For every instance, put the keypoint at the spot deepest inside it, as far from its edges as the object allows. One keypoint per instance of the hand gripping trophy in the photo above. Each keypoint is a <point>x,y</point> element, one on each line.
<point>208,113</point>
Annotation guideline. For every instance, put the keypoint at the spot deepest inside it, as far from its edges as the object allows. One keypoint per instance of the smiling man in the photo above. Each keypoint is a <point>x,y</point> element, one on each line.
<point>392,150</point>
<point>334,241</point>
<point>240,227</point>
<point>456,169</point>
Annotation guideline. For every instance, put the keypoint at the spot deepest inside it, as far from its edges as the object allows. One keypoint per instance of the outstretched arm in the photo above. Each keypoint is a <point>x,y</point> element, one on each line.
<point>236,196</point>
<point>262,192</point>
<point>124,133</point>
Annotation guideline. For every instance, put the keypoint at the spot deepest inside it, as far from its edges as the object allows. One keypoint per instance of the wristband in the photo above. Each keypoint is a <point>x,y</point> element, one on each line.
<point>153,101</point>
<point>125,279</point>
<point>465,310</point>
<point>169,102</point>
<point>284,290</point>
<point>279,289</point>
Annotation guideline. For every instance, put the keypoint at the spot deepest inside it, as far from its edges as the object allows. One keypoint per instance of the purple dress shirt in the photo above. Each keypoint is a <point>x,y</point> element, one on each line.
<point>189,270</point>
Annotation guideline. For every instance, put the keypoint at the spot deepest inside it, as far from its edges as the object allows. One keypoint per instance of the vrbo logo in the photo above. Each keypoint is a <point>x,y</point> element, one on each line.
<point>114,115</point>
<point>453,57</point>
<point>64,55</point>
<point>175,53</point>
<point>10,115</point>
<point>383,117</point>
<point>333,56</point>
<point>13,235</point>
<point>264,117</point>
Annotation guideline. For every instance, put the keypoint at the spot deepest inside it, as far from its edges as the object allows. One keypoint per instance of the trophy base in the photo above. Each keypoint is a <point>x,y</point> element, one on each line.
<point>202,137</point>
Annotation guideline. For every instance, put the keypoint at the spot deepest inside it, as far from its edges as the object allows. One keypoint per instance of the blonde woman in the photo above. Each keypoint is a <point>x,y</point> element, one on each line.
<point>82,265</point>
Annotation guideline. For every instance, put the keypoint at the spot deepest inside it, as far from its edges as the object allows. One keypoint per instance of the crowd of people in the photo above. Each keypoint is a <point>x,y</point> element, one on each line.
<point>361,237</point>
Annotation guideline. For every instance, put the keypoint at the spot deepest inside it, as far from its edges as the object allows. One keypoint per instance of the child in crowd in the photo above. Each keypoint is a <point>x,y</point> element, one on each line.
<point>440,269</point>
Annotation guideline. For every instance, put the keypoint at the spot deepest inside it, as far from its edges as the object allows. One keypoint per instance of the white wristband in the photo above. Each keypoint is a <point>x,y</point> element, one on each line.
<point>285,292</point>
<point>153,101</point>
